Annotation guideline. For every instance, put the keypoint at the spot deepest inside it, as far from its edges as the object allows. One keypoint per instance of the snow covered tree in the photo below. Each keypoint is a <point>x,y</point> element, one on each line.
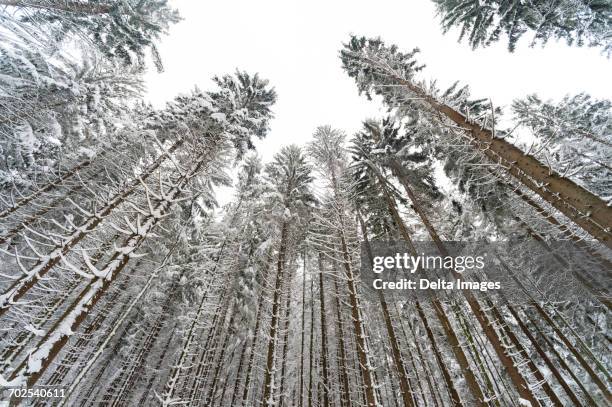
<point>573,136</point>
<point>584,22</point>
<point>338,239</point>
<point>57,110</point>
<point>207,128</point>
<point>120,30</point>
<point>385,71</point>
<point>290,177</point>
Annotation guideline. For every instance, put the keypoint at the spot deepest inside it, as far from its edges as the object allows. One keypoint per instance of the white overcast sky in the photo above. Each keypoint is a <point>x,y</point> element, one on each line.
<point>295,44</point>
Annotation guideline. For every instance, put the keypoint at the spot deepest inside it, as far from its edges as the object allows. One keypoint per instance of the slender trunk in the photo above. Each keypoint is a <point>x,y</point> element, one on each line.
<point>254,342</point>
<point>570,393</point>
<point>208,350</point>
<point>268,396</point>
<point>578,240</point>
<point>360,338</point>
<point>460,355</point>
<point>157,367</point>
<point>22,340</point>
<point>281,400</point>
<point>245,345</point>
<point>427,372</point>
<point>301,391</point>
<point>170,385</point>
<point>324,356</point>
<point>562,362</point>
<point>94,386</point>
<point>311,344</point>
<point>220,359</point>
<point>362,351</point>
<point>398,360</point>
<point>35,216</point>
<point>345,398</point>
<point>137,364</point>
<point>581,360</point>
<point>78,347</point>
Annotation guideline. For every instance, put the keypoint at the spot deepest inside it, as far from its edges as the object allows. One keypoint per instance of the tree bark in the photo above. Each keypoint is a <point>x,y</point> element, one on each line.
<point>405,388</point>
<point>270,359</point>
<point>324,356</point>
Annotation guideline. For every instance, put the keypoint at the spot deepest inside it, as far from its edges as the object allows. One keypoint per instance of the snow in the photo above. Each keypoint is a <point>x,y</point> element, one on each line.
<point>32,329</point>
<point>524,403</point>
<point>18,382</point>
<point>87,152</point>
<point>220,117</point>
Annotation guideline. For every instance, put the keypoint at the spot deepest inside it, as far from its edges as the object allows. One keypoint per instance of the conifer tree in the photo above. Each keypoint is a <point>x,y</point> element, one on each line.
<point>584,22</point>
<point>383,70</point>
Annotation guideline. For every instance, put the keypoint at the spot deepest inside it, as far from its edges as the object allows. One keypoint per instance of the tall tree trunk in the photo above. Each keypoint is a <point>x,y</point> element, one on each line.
<point>220,359</point>
<point>362,350</point>
<point>268,396</point>
<point>281,399</point>
<point>157,367</point>
<point>563,228</point>
<point>460,355</point>
<point>36,216</point>
<point>345,397</point>
<point>311,345</point>
<point>254,342</point>
<point>245,345</point>
<point>398,360</point>
<point>570,393</point>
<point>22,340</point>
<point>208,350</point>
<point>358,326</point>
<point>324,355</point>
<point>301,391</point>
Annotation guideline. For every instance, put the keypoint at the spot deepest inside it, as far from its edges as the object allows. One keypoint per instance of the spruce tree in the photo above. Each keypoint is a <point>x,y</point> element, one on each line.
<point>583,22</point>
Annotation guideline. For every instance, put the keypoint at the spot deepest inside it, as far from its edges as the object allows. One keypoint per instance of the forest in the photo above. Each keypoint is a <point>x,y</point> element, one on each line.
<point>124,281</point>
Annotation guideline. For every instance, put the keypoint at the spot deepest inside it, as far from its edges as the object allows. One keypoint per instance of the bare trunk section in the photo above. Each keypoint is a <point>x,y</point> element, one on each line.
<point>345,397</point>
<point>281,399</point>
<point>364,360</point>
<point>268,396</point>
<point>258,317</point>
<point>405,388</point>
<point>324,355</point>
<point>245,345</point>
<point>301,391</point>
<point>311,345</point>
